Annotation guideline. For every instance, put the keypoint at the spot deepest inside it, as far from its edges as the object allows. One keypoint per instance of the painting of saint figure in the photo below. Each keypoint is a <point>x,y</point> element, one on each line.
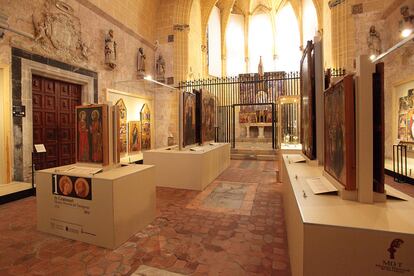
<point>340,132</point>
<point>406,117</point>
<point>402,127</point>
<point>134,136</point>
<point>146,128</point>
<point>189,119</point>
<point>92,134</point>
<point>207,117</point>
<point>410,125</point>
<point>307,102</point>
<point>123,126</point>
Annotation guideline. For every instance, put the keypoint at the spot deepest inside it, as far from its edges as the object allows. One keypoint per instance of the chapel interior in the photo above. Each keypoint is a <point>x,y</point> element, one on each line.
<point>207,137</point>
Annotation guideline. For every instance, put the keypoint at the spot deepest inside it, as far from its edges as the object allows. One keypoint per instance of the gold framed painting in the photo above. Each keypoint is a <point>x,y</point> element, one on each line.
<point>92,134</point>
<point>146,127</point>
<point>134,129</point>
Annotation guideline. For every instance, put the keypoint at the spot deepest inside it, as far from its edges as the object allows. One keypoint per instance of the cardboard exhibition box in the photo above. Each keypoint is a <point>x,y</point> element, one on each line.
<point>328,235</point>
<point>187,169</point>
<point>105,209</point>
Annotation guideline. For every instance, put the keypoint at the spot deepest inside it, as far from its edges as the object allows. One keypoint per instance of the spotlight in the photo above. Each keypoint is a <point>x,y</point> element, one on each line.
<point>406,25</point>
<point>148,78</point>
<point>406,32</point>
<point>372,57</point>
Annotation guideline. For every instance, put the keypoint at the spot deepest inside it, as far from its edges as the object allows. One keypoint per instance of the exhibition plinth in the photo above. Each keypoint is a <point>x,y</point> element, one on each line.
<point>188,169</point>
<point>104,209</point>
<point>331,236</point>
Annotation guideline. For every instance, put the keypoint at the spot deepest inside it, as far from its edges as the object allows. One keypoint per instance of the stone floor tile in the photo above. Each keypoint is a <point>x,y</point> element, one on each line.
<point>187,237</point>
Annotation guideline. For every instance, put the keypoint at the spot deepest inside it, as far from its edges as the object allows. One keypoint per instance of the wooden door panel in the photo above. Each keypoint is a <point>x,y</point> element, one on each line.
<point>51,151</point>
<point>50,119</point>
<point>49,102</point>
<point>64,104</point>
<point>50,135</point>
<point>64,120</point>
<point>65,150</point>
<point>51,164</point>
<point>37,135</point>
<point>54,105</point>
<point>37,101</point>
<point>65,134</point>
<point>36,83</point>
<point>64,90</point>
<point>48,86</point>
<point>75,91</point>
<point>37,118</point>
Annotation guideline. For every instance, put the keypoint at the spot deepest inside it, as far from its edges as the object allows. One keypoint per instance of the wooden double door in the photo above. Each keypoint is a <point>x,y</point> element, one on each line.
<point>54,105</point>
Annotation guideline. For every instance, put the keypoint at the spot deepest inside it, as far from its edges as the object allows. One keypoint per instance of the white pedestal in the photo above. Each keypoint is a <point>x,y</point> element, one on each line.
<point>331,236</point>
<point>186,169</point>
<point>122,203</point>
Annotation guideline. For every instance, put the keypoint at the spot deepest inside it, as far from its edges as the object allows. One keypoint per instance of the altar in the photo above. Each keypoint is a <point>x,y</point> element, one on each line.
<point>260,127</point>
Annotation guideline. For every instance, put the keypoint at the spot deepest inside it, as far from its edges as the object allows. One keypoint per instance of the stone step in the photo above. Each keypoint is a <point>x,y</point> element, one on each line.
<point>266,157</point>
<point>254,151</point>
<point>262,157</point>
<point>238,156</point>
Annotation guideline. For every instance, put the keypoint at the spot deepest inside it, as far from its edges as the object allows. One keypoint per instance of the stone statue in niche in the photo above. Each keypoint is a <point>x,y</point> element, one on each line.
<point>160,68</point>
<point>110,50</point>
<point>57,33</point>
<point>141,62</point>
<point>84,50</point>
<point>374,41</point>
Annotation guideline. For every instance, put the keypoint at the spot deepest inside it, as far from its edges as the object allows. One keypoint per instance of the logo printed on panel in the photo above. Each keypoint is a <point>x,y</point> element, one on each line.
<point>394,263</point>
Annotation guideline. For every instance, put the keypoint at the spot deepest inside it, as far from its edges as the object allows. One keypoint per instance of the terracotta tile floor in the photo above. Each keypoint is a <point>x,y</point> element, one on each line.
<point>190,235</point>
<point>403,187</point>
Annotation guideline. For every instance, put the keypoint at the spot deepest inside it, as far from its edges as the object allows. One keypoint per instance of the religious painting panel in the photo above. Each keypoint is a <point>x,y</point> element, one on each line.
<point>307,102</point>
<point>378,128</point>
<point>339,101</point>
<point>92,134</point>
<point>146,128</point>
<point>189,118</point>
<point>123,126</point>
<point>248,83</point>
<point>134,136</point>
<point>207,116</point>
<point>406,117</point>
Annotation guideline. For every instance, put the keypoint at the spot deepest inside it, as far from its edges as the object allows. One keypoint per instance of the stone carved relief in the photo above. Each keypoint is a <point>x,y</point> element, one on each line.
<point>57,32</point>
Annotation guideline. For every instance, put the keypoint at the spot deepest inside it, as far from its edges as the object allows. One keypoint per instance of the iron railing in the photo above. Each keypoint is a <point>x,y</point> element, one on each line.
<point>254,90</point>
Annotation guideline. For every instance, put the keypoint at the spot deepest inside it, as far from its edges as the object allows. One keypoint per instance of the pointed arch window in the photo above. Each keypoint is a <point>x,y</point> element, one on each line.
<point>235,62</point>
<point>214,43</point>
<point>261,42</point>
<point>287,40</point>
<point>310,21</point>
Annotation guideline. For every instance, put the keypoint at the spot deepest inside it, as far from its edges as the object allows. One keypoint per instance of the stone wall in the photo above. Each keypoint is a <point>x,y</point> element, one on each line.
<point>95,18</point>
<point>399,69</point>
